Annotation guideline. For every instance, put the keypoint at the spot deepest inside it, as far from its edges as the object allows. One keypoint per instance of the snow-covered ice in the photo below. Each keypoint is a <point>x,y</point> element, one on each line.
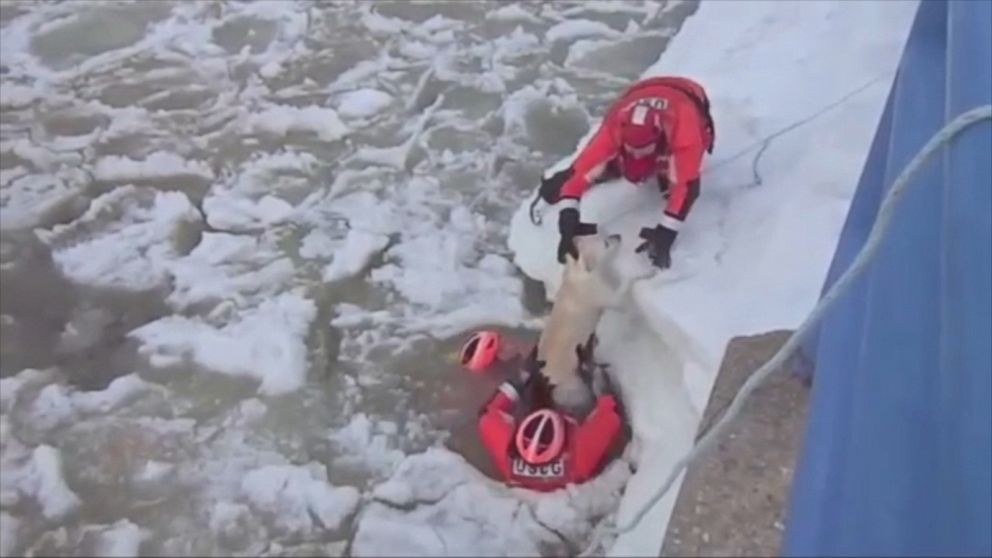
<point>363,103</point>
<point>124,239</point>
<point>57,405</point>
<point>160,164</point>
<point>265,343</point>
<point>512,12</point>
<point>30,200</point>
<point>250,199</point>
<point>279,120</point>
<point>297,499</point>
<point>8,533</point>
<point>573,29</point>
<point>457,511</point>
<point>17,96</point>
<point>229,267</point>
<point>38,475</point>
<point>231,212</point>
<point>363,444</point>
<point>354,254</point>
<point>122,538</point>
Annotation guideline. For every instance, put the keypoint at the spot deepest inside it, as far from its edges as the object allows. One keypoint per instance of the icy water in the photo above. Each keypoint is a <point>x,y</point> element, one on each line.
<point>242,243</point>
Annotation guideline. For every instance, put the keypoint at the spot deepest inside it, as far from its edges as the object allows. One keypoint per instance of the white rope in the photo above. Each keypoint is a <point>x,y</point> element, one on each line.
<point>857,267</point>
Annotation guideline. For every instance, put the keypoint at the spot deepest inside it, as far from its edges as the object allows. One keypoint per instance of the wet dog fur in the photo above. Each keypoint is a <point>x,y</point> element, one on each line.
<point>569,334</point>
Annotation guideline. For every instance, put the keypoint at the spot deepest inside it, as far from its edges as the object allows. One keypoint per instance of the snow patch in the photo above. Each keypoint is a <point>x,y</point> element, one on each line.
<point>513,12</point>
<point>279,120</point>
<point>251,200</point>
<point>266,172</point>
<point>354,254</point>
<point>124,239</point>
<point>435,272</point>
<point>229,211</point>
<point>154,472</point>
<point>416,50</point>
<point>579,28</point>
<point>160,164</point>
<point>9,526</point>
<point>297,499</point>
<point>363,103</point>
<point>40,477</point>
<point>128,121</point>
<point>11,386</point>
<point>436,504</point>
<point>16,96</point>
<point>122,538</point>
<point>364,443</point>
<point>33,200</point>
<point>46,158</point>
<point>232,523</point>
<point>57,404</point>
<point>266,343</point>
<point>228,267</point>
<point>317,244</point>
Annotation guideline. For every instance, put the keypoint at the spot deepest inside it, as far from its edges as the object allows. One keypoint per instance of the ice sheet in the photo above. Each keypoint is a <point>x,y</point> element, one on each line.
<point>363,103</point>
<point>124,239</point>
<point>230,267</point>
<point>279,120</point>
<point>160,164</point>
<point>265,342</point>
<point>37,199</point>
<point>298,500</point>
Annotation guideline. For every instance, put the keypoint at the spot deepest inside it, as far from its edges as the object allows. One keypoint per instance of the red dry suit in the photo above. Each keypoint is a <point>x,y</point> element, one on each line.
<point>587,444</point>
<point>689,133</point>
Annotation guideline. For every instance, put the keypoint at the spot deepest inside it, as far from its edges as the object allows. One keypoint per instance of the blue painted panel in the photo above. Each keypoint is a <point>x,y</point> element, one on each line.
<point>898,452</point>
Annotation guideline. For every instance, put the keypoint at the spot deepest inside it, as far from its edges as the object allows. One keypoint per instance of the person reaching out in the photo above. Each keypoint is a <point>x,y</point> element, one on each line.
<point>659,128</point>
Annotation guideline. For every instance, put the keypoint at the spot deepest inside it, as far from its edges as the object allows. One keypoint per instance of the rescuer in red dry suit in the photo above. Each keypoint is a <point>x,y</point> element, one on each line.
<point>533,445</point>
<point>659,127</point>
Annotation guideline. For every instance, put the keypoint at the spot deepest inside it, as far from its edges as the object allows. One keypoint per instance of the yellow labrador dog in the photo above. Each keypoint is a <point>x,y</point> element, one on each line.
<point>585,293</point>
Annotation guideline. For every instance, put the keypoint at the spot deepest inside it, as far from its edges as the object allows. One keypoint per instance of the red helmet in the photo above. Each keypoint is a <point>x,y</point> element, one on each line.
<point>481,350</point>
<point>541,437</point>
<point>641,137</point>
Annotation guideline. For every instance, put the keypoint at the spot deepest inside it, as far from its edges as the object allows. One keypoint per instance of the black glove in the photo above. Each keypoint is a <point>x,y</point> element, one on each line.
<point>519,385</point>
<point>551,187</point>
<point>663,186</point>
<point>658,244</point>
<point>570,227</point>
<point>601,383</point>
<point>530,368</point>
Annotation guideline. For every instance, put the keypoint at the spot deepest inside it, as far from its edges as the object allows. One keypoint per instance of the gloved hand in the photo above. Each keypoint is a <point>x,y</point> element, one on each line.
<point>663,185</point>
<point>601,383</point>
<point>569,227</point>
<point>551,187</point>
<point>658,245</point>
<point>530,368</point>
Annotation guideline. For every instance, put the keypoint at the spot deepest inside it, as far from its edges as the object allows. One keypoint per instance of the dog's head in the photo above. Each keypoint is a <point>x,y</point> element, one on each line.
<point>596,250</point>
